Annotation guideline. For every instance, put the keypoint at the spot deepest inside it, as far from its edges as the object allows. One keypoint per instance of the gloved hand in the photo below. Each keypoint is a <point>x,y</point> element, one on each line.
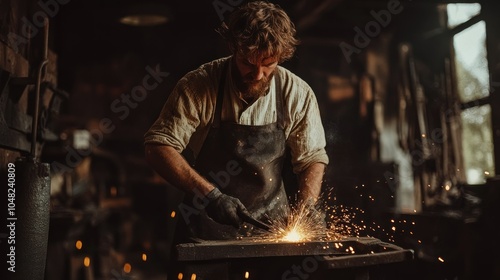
<point>225,209</point>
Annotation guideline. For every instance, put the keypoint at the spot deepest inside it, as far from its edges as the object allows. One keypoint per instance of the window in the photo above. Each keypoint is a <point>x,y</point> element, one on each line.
<point>473,89</point>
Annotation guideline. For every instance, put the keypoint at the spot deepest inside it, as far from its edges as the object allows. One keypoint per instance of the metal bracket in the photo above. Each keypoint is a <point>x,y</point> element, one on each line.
<point>16,126</point>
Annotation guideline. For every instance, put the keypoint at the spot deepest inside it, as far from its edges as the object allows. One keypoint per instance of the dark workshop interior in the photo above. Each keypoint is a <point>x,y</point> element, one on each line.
<point>409,95</point>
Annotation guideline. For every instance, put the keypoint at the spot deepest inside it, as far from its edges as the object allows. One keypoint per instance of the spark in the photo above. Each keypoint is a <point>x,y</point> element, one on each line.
<point>324,221</point>
<point>293,236</point>
<point>86,261</point>
<point>78,245</point>
<point>312,222</point>
<point>127,268</point>
<point>303,223</point>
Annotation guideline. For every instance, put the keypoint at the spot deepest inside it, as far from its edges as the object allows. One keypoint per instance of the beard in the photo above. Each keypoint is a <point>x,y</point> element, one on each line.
<point>251,89</point>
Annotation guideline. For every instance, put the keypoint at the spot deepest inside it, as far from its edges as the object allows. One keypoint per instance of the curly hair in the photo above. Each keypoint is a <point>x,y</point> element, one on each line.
<point>260,28</point>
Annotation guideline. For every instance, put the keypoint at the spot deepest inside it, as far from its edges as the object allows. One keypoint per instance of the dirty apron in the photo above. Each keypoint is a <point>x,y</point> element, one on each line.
<point>243,161</point>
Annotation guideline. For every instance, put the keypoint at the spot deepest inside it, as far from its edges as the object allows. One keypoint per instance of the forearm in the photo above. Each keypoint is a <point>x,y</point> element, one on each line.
<point>310,181</point>
<point>176,170</point>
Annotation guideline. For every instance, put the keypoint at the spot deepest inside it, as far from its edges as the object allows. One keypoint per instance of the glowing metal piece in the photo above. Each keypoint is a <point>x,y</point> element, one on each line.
<point>292,236</point>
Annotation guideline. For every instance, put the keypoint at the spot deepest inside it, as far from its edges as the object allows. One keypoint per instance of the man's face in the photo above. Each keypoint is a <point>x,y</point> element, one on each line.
<point>254,76</point>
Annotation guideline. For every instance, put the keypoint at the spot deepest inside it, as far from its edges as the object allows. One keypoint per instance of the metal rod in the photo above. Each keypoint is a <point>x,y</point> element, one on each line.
<point>254,222</point>
<point>45,61</point>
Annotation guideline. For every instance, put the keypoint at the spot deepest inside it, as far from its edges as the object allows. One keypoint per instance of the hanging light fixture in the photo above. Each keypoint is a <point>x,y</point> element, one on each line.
<point>146,14</point>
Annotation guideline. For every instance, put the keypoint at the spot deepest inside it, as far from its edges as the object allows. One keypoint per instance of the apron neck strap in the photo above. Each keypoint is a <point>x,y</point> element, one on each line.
<point>220,95</point>
<point>280,100</point>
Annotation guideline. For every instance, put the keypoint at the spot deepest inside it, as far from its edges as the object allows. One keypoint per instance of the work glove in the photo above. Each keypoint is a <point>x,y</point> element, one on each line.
<point>225,209</point>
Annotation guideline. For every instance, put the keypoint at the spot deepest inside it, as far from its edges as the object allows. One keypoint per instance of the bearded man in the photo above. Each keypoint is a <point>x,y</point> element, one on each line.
<point>238,115</point>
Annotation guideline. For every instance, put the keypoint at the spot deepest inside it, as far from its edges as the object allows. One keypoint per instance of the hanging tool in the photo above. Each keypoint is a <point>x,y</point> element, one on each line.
<point>32,202</point>
<point>41,67</point>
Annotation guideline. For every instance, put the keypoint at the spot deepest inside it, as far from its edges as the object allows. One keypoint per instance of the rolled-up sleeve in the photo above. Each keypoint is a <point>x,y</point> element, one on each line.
<point>178,119</point>
<point>307,136</point>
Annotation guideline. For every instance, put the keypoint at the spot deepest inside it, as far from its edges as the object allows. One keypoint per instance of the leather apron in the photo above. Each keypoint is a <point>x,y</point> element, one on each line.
<point>243,161</point>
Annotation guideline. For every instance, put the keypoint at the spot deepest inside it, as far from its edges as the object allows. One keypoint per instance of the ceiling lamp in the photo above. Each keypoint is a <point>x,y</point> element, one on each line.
<point>146,14</point>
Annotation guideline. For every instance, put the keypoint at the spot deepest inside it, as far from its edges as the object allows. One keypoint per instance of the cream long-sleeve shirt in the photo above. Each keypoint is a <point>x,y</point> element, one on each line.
<point>187,115</point>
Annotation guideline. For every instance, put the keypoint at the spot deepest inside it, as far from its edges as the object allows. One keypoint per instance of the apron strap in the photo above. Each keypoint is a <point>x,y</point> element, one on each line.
<point>280,101</point>
<point>220,95</point>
